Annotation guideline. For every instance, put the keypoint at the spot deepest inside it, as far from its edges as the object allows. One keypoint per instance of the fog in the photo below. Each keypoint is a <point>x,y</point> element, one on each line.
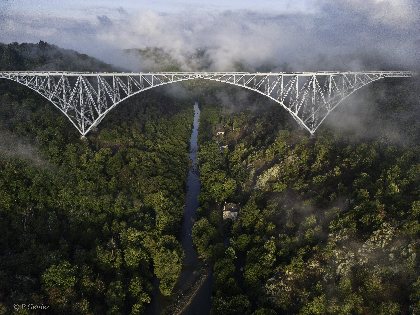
<point>13,146</point>
<point>339,35</point>
<point>310,35</point>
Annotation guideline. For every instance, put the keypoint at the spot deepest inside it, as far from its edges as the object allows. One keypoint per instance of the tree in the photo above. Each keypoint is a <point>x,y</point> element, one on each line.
<point>59,282</point>
<point>204,235</point>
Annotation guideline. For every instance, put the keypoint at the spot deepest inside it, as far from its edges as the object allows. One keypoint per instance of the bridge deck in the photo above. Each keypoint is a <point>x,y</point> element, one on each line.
<point>205,73</point>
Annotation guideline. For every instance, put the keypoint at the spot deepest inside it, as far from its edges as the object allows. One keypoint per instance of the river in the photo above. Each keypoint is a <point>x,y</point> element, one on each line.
<point>191,200</point>
<point>200,301</point>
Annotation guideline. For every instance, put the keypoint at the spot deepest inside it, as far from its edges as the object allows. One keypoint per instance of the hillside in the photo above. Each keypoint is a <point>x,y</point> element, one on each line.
<point>44,56</point>
<point>88,225</point>
<point>327,224</point>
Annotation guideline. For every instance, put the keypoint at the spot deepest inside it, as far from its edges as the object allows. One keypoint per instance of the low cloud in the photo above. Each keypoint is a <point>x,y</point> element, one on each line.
<point>327,35</point>
<point>104,20</point>
<point>394,13</point>
<point>386,111</point>
<point>351,35</point>
<point>11,146</point>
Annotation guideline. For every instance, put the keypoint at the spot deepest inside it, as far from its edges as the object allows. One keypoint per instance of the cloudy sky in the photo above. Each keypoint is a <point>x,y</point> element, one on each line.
<point>302,34</point>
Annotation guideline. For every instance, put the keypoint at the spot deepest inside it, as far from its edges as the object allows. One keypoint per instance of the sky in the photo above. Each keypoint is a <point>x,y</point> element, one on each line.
<point>83,7</point>
<point>297,34</point>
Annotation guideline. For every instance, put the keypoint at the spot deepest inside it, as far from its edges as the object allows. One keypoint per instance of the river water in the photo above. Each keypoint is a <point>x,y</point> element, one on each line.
<point>201,302</point>
<point>191,200</point>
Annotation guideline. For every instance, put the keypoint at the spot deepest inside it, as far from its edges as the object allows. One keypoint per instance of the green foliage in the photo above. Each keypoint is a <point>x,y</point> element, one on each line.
<point>59,284</point>
<point>205,236</point>
<point>25,56</point>
<point>62,275</point>
<point>167,262</point>
<point>326,225</point>
<point>87,224</point>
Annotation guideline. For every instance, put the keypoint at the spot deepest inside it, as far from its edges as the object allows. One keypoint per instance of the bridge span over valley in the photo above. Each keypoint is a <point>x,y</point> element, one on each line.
<point>85,98</point>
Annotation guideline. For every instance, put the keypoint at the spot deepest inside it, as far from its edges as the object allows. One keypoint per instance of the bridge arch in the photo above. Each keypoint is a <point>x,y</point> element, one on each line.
<point>86,98</point>
<point>48,99</point>
<point>102,116</point>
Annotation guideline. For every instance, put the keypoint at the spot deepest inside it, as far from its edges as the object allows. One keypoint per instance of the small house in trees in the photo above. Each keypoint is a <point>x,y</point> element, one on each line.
<point>230,211</point>
<point>219,129</point>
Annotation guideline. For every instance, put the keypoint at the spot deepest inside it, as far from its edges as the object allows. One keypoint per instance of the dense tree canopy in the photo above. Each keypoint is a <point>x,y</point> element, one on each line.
<point>327,225</point>
<point>87,224</point>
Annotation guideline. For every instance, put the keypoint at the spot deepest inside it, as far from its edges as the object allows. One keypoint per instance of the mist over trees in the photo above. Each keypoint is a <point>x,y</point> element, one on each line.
<point>298,35</point>
<point>327,225</point>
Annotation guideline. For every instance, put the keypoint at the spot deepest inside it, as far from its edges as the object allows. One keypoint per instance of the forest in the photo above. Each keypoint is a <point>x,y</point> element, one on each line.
<point>88,224</point>
<point>326,224</point>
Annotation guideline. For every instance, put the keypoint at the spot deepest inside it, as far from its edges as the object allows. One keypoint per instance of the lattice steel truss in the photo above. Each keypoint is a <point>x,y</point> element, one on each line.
<point>85,98</point>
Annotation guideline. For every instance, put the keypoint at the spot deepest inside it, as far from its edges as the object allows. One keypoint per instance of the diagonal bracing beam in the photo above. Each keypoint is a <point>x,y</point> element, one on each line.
<point>85,98</point>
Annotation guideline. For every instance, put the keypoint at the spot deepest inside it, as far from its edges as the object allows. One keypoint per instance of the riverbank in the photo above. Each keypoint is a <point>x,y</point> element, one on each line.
<point>194,273</point>
<point>192,293</point>
<point>190,300</point>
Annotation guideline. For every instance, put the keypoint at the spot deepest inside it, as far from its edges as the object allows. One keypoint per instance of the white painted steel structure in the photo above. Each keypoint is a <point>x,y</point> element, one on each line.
<point>85,98</point>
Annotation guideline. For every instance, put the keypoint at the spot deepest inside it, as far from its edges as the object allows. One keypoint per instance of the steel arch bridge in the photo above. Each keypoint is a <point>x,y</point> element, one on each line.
<point>85,98</point>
